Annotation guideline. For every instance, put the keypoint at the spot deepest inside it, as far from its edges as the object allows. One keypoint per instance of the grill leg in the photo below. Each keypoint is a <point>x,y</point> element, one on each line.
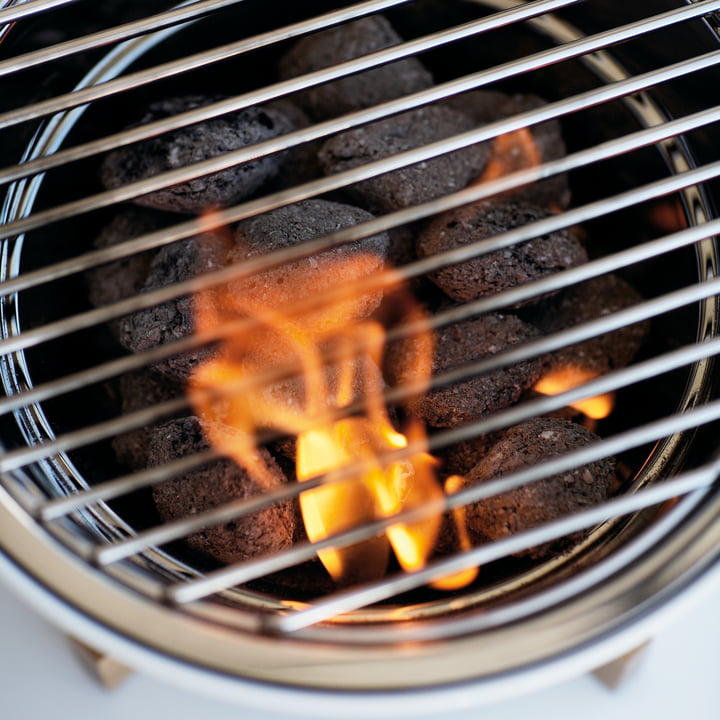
<point>617,671</point>
<point>107,671</point>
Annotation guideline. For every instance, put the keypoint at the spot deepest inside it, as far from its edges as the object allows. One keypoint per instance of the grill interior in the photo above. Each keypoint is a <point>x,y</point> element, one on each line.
<point>633,90</point>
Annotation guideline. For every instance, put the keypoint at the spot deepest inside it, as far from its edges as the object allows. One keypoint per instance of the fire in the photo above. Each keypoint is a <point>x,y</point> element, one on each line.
<point>512,151</point>
<point>380,491</point>
<point>464,577</point>
<point>518,150</point>
<point>568,377</point>
<point>235,407</point>
<point>343,505</point>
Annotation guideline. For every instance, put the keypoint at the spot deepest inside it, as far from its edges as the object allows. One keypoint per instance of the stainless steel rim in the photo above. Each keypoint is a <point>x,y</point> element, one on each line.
<point>664,568</point>
<point>349,654</point>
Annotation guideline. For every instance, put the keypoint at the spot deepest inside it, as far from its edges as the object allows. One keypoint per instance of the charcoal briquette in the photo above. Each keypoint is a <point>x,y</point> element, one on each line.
<point>456,345</point>
<point>360,90</point>
<point>524,446</point>
<point>498,270</point>
<point>588,301</point>
<point>412,184</point>
<point>268,530</point>
<point>189,145</point>
<point>487,106</point>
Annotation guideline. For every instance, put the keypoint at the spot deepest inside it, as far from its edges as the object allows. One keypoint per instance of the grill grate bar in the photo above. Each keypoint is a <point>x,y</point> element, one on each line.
<point>219,580</point>
<point>148,130</point>
<point>608,323</point>
<point>342,602</point>
<point>536,348</point>
<point>63,506</point>
<point>134,80</point>
<point>28,9</point>
<point>136,189</point>
<point>557,281</point>
<point>608,383</point>
<point>115,548</point>
<point>60,328</point>
<point>594,577</point>
<point>490,131</point>
<point>90,318</point>
<point>189,10</point>
<point>15,459</point>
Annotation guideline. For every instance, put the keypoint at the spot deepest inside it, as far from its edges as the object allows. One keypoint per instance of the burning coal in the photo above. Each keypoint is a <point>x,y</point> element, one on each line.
<point>228,399</point>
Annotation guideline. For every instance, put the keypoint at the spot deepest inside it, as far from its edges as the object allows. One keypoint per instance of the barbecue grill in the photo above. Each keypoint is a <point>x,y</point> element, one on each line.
<point>633,88</point>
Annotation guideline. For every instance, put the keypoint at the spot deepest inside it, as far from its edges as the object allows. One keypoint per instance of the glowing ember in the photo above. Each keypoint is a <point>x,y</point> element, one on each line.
<point>568,377</point>
<point>668,215</point>
<point>512,151</point>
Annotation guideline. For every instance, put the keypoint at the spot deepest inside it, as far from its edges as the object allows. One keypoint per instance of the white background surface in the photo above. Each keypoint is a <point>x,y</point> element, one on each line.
<point>678,678</point>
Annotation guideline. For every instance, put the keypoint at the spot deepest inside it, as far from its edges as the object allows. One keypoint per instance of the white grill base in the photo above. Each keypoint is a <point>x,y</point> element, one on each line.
<point>40,677</point>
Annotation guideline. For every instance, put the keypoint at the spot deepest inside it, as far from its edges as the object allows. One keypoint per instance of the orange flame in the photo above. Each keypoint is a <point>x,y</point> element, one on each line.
<point>568,377</point>
<point>464,577</point>
<point>235,407</point>
<point>516,150</point>
<point>341,505</point>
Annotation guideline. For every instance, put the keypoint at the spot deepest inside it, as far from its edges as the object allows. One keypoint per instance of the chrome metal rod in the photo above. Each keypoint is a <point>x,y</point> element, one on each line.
<point>142,187</point>
<point>108,554</point>
<point>551,343</point>
<point>341,602</point>
<point>592,269</point>
<point>628,143</point>
<point>316,131</point>
<point>613,381</point>
<point>29,8</point>
<point>471,309</point>
<point>576,216</point>
<point>605,324</point>
<point>188,11</point>
<point>87,435</point>
<point>192,62</point>
<point>466,625</point>
<point>607,447</point>
<point>62,506</point>
<point>582,101</point>
<point>219,580</point>
<point>14,459</point>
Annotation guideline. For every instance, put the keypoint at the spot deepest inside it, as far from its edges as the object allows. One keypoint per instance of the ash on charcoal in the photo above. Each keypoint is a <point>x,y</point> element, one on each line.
<point>138,391</point>
<point>193,144</point>
<point>279,229</point>
<point>361,90</point>
<point>124,278</point>
<point>268,530</point>
<point>523,446</point>
<point>499,270</point>
<point>322,272</point>
<point>462,343</point>
<point>174,320</point>
<point>487,106</point>
<point>590,300</point>
<point>413,184</point>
